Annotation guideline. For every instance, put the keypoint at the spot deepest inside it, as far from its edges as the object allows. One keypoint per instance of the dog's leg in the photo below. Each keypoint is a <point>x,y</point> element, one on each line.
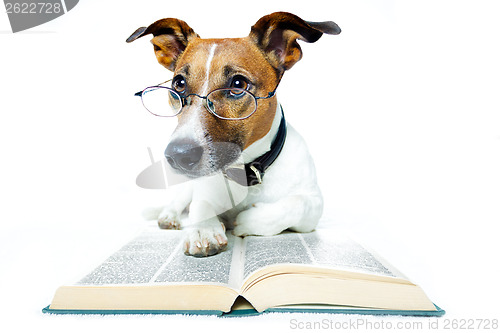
<point>207,235</point>
<point>296,212</point>
<point>170,215</point>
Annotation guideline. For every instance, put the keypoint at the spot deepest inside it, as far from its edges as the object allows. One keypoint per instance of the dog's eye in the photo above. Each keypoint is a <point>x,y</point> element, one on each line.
<point>179,83</point>
<point>239,82</point>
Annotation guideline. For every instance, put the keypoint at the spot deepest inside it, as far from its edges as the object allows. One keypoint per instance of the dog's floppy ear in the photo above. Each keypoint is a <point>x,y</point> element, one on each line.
<point>171,37</point>
<point>276,34</point>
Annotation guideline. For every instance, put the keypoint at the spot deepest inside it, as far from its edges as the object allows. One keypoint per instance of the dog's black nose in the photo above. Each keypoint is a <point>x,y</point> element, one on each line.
<point>183,155</point>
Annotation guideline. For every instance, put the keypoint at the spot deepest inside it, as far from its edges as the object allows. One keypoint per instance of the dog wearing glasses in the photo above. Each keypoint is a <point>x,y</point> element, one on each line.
<point>223,95</point>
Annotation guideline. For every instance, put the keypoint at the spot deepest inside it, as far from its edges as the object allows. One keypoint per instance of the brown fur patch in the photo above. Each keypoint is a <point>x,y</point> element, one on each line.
<point>242,57</point>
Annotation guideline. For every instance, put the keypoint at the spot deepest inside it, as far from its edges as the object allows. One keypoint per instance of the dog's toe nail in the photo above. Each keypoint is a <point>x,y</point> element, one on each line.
<point>220,240</point>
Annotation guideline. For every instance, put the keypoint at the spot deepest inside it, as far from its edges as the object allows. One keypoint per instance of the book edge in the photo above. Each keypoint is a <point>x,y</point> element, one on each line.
<point>251,312</point>
<point>48,310</point>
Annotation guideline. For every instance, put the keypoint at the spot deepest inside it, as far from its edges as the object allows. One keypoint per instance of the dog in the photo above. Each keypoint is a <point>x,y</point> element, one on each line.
<point>277,175</point>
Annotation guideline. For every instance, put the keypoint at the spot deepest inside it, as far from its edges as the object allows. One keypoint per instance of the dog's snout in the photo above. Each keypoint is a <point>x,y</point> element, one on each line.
<point>183,155</point>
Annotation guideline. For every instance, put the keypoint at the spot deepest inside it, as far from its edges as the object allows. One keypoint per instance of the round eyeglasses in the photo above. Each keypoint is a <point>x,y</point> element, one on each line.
<point>224,103</point>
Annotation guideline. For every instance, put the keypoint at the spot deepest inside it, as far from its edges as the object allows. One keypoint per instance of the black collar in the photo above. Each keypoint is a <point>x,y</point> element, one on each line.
<point>255,170</point>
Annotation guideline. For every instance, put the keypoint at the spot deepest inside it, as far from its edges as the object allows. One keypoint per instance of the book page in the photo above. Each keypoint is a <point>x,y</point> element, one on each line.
<point>156,257</point>
<point>136,262</point>
<point>318,248</point>
<point>262,251</point>
<point>339,251</point>
<point>186,269</point>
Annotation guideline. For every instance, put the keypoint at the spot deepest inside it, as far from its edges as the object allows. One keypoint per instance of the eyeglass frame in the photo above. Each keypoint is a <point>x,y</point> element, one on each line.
<point>184,99</point>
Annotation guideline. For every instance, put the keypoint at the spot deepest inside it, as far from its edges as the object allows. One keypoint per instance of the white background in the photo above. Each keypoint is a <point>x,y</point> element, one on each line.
<point>401,113</point>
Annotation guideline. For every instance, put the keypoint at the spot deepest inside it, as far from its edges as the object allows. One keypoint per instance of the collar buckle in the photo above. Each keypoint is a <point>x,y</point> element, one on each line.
<point>257,173</point>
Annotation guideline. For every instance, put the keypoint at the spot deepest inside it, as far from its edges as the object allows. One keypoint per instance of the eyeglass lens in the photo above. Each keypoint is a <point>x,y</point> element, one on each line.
<point>161,101</point>
<point>231,103</point>
<point>225,103</point>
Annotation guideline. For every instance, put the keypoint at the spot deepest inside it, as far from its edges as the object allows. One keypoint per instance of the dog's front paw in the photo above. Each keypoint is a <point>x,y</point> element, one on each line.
<point>261,219</point>
<point>168,219</point>
<point>206,239</point>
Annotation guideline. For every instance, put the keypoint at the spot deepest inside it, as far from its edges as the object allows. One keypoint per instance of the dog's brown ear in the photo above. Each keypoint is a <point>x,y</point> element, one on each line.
<point>277,34</point>
<point>171,37</point>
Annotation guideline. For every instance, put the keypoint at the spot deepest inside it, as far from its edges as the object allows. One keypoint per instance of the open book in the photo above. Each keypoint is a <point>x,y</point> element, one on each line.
<point>319,272</point>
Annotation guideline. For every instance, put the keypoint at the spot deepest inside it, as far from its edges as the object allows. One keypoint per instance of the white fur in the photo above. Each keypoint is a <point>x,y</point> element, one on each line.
<point>288,198</point>
<point>192,126</point>
<point>208,65</point>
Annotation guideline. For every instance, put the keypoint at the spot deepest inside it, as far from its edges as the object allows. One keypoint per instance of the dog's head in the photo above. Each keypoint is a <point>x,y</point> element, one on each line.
<point>203,142</point>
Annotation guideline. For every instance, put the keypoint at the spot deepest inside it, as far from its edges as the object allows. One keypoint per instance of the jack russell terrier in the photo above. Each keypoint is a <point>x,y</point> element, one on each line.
<point>223,95</point>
